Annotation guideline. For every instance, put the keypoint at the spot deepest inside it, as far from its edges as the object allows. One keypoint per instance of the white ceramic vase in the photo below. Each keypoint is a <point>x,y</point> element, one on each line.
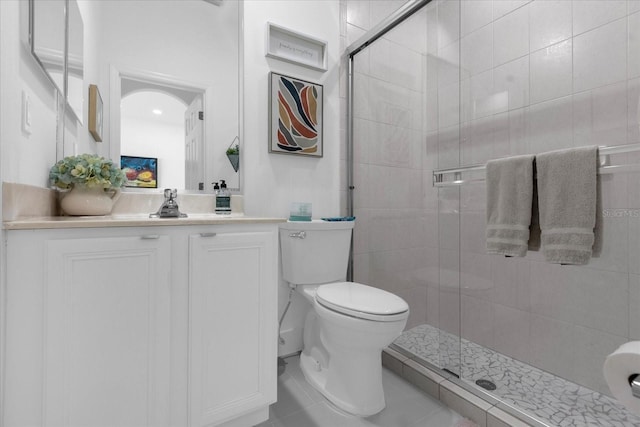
<point>83,200</point>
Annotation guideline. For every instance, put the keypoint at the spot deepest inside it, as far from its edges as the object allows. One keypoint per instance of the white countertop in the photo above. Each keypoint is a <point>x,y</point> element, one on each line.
<point>131,220</point>
<point>27,207</point>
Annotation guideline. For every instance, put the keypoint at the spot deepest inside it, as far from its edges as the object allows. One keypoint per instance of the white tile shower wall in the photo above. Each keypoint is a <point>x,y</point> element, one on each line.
<point>549,23</point>
<point>600,56</point>
<point>536,76</point>
<point>570,69</point>
<point>593,13</point>
<point>551,72</point>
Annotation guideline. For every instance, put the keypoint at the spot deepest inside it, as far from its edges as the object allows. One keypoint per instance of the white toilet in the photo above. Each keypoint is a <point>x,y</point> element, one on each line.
<point>348,323</point>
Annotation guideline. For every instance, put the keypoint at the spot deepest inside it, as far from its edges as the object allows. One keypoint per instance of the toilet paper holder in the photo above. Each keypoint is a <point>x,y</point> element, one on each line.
<point>634,382</point>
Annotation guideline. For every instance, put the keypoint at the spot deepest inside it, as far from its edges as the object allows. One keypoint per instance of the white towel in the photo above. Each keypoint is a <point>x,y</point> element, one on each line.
<point>567,199</point>
<point>509,200</point>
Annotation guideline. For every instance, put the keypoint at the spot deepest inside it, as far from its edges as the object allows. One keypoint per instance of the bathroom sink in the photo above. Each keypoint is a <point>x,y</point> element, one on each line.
<point>139,216</point>
<point>130,216</point>
<point>206,215</point>
<point>211,215</point>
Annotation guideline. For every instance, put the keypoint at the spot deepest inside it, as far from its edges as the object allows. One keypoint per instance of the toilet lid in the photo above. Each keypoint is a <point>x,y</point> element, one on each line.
<point>362,301</point>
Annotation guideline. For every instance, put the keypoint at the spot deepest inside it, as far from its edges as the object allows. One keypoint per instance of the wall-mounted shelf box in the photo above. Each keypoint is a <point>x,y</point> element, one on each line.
<point>292,46</point>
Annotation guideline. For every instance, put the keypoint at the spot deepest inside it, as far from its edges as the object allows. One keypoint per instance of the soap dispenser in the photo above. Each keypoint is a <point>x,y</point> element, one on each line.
<point>223,199</point>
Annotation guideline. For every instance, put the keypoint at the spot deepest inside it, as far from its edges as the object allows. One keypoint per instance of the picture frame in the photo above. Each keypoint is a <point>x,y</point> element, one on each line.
<point>95,113</point>
<point>141,172</point>
<point>291,46</point>
<point>295,116</point>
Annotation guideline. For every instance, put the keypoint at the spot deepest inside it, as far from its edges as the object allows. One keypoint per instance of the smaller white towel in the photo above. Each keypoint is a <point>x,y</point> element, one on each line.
<point>509,200</point>
<point>567,196</point>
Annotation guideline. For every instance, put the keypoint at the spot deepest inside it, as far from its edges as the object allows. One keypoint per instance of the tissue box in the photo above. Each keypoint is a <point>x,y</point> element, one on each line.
<point>300,211</point>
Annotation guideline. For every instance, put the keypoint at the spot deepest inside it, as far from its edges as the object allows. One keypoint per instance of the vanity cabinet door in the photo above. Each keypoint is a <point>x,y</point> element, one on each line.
<point>107,331</point>
<point>233,325</point>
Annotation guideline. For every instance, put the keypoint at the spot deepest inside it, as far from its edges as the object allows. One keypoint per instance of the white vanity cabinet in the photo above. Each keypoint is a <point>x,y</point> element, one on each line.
<point>140,326</point>
<point>232,333</point>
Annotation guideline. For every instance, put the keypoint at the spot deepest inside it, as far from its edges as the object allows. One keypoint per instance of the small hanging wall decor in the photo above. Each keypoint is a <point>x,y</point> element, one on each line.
<point>233,154</point>
<point>295,116</point>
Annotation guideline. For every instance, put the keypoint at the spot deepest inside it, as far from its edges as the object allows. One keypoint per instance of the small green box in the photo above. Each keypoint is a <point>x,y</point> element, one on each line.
<point>300,211</point>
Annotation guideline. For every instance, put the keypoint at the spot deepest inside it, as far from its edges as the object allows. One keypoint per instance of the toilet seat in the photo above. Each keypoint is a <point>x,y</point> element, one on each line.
<point>362,301</point>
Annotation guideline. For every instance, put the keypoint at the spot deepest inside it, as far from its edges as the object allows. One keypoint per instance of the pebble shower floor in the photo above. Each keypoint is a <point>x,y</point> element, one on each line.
<point>551,399</point>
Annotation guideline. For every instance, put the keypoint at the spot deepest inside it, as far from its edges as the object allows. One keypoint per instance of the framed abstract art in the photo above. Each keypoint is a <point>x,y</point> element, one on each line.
<point>295,116</point>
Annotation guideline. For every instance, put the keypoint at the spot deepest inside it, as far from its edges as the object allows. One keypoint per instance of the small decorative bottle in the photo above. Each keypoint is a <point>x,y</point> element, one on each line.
<point>223,199</point>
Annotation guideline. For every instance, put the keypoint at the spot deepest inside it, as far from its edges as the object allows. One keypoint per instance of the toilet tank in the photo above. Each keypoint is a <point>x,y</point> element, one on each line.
<point>316,251</point>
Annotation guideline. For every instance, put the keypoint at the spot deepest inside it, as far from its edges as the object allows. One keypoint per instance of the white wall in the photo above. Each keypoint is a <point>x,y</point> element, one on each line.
<point>273,181</point>
<point>25,158</point>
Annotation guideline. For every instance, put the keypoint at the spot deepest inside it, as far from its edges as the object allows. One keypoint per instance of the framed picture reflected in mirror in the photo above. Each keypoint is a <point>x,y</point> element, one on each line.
<point>95,113</point>
<point>141,172</point>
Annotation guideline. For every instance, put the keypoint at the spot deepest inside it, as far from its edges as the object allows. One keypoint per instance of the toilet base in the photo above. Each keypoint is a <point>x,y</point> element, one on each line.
<point>342,357</point>
<point>371,400</point>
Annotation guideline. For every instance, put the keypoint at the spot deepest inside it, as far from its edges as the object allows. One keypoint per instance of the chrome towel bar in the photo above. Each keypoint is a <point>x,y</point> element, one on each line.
<point>475,173</point>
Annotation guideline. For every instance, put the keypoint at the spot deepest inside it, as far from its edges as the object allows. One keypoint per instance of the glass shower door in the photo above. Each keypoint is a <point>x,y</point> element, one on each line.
<point>405,124</point>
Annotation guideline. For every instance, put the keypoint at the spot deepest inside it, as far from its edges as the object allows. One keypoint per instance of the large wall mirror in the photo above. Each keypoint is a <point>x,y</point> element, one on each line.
<point>174,70</point>
<point>169,74</point>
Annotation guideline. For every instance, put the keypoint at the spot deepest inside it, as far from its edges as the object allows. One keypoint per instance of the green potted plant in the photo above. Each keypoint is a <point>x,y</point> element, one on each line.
<point>233,154</point>
<point>93,183</point>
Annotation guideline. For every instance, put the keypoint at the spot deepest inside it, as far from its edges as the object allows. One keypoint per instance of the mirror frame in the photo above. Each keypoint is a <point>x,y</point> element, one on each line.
<point>32,45</point>
<point>78,114</point>
<point>62,91</point>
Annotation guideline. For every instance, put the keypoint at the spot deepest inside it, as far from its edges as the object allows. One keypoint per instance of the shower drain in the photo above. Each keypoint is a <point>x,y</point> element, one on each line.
<point>486,384</point>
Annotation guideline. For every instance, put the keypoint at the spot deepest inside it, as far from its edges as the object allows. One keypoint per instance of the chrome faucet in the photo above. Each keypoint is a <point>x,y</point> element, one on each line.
<point>169,208</point>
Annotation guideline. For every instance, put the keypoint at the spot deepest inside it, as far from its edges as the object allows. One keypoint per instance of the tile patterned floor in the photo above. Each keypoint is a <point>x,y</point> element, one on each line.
<point>300,405</point>
<point>549,398</point>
